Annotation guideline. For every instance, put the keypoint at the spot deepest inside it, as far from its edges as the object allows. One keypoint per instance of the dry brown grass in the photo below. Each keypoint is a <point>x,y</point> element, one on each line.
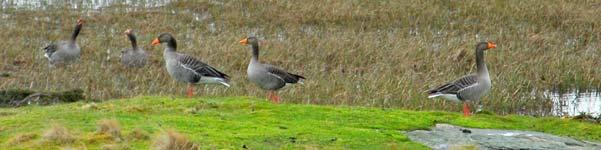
<point>171,140</point>
<point>21,138</point>
<point>90,106</point>
<point>110,127</point>
<point>110,147</point>
<point>138,134</point>
<point>59,134</point>
<point>114,147</point>
<point>369,53</point>
<point>74,148</point>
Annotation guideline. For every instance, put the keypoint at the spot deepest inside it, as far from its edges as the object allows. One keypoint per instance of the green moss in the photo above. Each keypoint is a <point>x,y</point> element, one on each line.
<point>236,122</point>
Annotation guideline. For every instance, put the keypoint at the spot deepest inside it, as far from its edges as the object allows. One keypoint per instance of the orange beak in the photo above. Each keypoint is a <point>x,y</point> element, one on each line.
<point>491,45</point>
<point>156,42</point>
<point>244,41</point>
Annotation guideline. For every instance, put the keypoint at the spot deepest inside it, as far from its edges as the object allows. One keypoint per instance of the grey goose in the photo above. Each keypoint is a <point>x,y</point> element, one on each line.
<point>470,87</point>
<point>185,68</point>
<point>266,76</point>
<point>64,52</point>
<point>134,56</point>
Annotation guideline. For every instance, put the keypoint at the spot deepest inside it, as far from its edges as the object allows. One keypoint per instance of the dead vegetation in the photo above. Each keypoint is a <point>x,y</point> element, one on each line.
<point>171,140</point>
<point>59,134</point>
<point>22,138</point>
<point>138,134</point>
<point>368,53</point>
<point>115,147</point>
<point>110,127</point>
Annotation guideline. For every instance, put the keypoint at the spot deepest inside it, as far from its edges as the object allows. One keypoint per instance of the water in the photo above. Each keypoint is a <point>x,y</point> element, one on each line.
<point>575,102</point>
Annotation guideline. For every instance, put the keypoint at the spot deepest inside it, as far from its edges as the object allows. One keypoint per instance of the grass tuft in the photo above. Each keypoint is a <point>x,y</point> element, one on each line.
<point>88,106</point>
<point>21,138</point>
<point>135,109</point>
<point>110,127</point>
<point>171,140</point>
<point>59,134</point>
<point>115,147</point>
<point>73,148</point>
<point>138,134</point>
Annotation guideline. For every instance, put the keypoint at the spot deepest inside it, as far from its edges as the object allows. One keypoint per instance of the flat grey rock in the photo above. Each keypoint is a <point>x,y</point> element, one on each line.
<point>445,136</point>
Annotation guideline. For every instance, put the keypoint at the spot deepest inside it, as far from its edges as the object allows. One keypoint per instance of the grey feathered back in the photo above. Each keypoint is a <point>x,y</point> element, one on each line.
<point>286,76</point>
<point>64,52</point>
<point>134,56</point>
<point>455,86</point>
<point>470,87</point>
<point>188,69</point>
<point>266,76</point>
<point>200,68</point>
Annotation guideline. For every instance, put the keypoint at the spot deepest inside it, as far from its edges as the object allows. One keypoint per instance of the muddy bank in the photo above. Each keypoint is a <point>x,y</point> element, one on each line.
<point>22,97</point>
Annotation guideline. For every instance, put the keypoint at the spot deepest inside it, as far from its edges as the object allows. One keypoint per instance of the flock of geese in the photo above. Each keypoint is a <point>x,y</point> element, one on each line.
<point>187,69</point>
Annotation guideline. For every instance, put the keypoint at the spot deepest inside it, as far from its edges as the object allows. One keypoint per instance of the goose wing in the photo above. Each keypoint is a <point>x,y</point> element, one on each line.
<point>285,76</point>
<point>199,68</point>
<point>457,86</point>
<point>50,49</point>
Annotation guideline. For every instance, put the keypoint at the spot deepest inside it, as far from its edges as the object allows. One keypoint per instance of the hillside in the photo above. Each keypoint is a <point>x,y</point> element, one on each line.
<point>238,122</point>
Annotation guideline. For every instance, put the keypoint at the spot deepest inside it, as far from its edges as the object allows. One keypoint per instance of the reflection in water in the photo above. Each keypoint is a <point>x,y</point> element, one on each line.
<point>575,102</point>
<point>79,4</point>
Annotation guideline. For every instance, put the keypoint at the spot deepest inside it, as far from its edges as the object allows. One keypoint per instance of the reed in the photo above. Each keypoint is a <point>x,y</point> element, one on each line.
<point>368,53</point>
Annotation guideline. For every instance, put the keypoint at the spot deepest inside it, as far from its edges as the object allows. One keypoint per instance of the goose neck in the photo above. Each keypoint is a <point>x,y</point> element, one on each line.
<point>480,64</point>
<point>76,32</point>
<point>134,43</point>
<point>255,52</point>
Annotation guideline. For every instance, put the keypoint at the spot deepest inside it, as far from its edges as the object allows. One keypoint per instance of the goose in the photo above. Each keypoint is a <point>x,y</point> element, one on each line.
<point>470,87</point>
<point>134,56</point>
<point>266,76</point>
<point>185,68</point>
<point>64,52</point>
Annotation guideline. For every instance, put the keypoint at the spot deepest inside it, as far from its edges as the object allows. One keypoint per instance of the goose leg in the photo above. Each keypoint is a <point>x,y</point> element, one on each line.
<point>466,110</point>
<point>276,98</point>
<point>479,108</point>
<point>273,96</point>
<point>270,96</point>
<point>190,90</point>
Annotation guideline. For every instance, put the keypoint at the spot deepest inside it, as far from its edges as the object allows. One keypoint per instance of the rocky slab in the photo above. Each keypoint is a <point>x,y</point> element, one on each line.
<point>445,136</point>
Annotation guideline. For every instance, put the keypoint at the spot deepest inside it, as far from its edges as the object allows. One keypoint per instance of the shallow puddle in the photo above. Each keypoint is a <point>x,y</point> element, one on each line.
<point>575,102</point>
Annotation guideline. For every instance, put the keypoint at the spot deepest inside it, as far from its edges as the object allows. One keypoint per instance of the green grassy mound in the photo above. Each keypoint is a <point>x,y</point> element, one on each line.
<point>242,122</point>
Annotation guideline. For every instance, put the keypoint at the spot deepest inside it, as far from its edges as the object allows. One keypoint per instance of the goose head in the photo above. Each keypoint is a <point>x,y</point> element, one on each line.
<point>486,45</point>
<point>164,37</point>
<point>80,21</point>
<point>128,31</point>
<point>249,40</point>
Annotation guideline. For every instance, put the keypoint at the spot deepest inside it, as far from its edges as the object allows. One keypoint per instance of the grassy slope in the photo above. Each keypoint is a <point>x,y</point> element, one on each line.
<point>232,122</point>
